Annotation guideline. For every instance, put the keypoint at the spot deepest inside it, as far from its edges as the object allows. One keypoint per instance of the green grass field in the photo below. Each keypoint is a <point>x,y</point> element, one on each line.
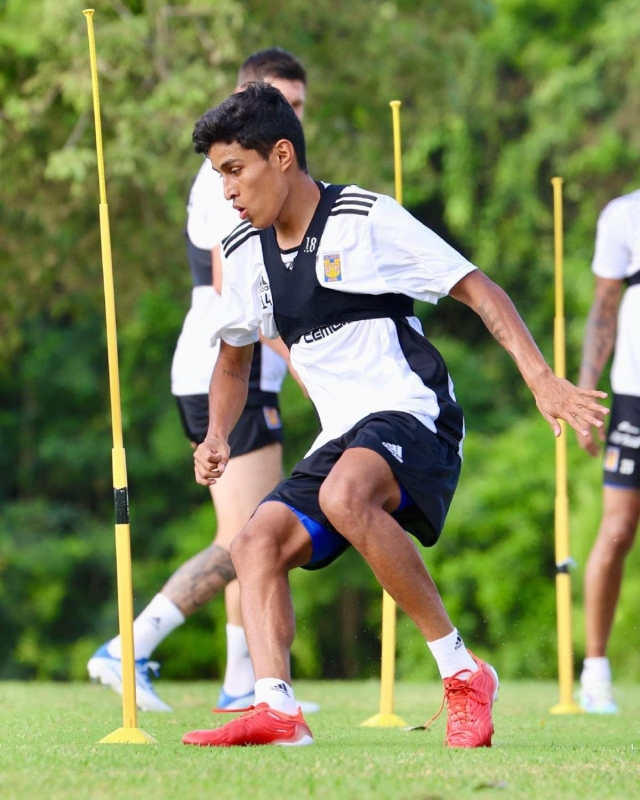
<point>48,749</point>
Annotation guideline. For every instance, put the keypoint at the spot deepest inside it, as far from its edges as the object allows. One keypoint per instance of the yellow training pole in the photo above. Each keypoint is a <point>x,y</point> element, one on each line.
<point>563,559</point>
<point>129,733</point>
<point>386,718</point>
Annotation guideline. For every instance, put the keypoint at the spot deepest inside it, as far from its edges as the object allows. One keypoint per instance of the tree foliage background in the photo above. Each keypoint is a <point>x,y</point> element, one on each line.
<point>498,97</point>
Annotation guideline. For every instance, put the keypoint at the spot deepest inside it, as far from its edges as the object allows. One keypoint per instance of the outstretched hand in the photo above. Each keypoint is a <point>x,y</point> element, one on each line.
<point>210,460</point>
<point>558,399</point>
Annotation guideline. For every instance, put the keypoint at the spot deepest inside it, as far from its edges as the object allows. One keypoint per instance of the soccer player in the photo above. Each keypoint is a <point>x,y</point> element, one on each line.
<point>335,270</point>
<point>255,465</point>
<point>616,265</point>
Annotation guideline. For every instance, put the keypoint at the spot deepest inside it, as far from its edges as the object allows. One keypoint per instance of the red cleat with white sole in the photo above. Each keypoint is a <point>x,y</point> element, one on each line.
<point>469,702</point>
<point>258,725</point>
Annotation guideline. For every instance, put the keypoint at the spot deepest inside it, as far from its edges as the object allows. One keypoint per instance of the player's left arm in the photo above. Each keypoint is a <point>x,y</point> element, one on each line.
<point>555,397</point>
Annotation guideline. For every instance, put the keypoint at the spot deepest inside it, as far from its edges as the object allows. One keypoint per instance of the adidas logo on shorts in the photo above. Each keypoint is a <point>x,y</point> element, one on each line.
<point>394,449</point>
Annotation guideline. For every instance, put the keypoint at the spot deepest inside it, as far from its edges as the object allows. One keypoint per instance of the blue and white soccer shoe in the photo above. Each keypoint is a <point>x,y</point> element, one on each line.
<point>597,698</point>
<point>107,670</point>
<point>230,703</point>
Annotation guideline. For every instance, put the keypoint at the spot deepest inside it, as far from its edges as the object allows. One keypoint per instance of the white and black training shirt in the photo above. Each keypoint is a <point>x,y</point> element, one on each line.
<point>371,251</point>
<point>209,219</point>
<point>617,256</point>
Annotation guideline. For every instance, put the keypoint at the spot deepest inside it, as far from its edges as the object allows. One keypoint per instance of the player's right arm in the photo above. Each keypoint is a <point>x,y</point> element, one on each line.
<point>610,261</point>
<point>227,398</point>
<point>237,329</point>
<point>599,340</point>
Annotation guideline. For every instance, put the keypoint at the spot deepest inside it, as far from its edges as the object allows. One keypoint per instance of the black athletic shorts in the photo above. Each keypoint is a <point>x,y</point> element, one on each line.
<point>622,453</point>
<point>426,466</point>
<point>256,428</point>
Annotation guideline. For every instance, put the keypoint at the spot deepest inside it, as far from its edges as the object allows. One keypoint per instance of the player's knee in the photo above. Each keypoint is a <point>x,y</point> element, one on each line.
<point>619,534</point>
<point>256,548</point>
<point>241,548</point>
<point>622,540</point>
<point>343,502</point>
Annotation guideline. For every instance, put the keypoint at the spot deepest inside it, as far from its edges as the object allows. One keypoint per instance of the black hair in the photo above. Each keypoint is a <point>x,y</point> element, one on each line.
<point>256,119</point>
<point>273,62</point>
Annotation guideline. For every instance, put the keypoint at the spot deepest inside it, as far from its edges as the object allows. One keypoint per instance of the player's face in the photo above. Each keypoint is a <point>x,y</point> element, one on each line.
<point>294,92</point>
<point>257,187</point>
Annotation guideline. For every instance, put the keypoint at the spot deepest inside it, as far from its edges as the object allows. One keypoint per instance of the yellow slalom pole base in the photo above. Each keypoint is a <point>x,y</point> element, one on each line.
<point>384,721</point>
<point>566,708</point>
<point>128,736</point>
<point>386,718</point>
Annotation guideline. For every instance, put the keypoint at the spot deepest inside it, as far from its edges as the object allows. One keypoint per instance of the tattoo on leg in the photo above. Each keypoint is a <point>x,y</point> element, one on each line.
<point>235,375</point>
<point>201,578</point>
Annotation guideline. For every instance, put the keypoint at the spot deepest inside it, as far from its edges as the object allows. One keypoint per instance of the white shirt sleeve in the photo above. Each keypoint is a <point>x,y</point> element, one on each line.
<point>612,255</point>
<point>241,312</point>
<point>209,216</point>
<point>409,257</point>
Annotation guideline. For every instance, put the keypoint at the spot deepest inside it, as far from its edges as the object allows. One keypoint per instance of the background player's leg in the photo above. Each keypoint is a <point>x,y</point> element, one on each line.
<point>602,581</point>
<point>248,478</point>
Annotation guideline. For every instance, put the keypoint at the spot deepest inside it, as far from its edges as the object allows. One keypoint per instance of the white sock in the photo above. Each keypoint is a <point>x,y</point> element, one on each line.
<point>153,625</point>
<point>277,694</point>
<point>451,655</point>
<point>596,670</point>
<point>238,678</point>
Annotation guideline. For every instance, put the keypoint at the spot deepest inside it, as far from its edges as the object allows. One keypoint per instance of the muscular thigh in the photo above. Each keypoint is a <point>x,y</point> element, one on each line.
<point>396,462</point>
<point>361,477</point>
<point>246,481</point>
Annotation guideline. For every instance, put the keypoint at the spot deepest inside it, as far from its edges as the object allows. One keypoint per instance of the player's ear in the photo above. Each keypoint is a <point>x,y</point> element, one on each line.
<point>284,153</point>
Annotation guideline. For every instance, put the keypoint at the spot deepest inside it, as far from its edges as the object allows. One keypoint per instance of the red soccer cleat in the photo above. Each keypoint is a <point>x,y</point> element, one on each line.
<point>259,725</point>
<point>469,703</point>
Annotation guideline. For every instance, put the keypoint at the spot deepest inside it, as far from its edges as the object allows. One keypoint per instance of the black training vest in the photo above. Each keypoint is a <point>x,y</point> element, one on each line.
<point>633,280</point>
<point>199,263</point>
<point>199,259</point>
<point>300,303</point>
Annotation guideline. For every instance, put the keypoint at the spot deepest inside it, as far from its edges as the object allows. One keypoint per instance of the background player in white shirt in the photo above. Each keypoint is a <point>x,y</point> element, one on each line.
<point>614,319</point>
<point>255,466</point>
<point>335,271</point>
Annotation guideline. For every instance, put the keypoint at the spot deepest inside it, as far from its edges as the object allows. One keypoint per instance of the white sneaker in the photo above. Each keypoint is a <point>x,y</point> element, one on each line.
<point>107,670</point>
<point>596,697</point>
